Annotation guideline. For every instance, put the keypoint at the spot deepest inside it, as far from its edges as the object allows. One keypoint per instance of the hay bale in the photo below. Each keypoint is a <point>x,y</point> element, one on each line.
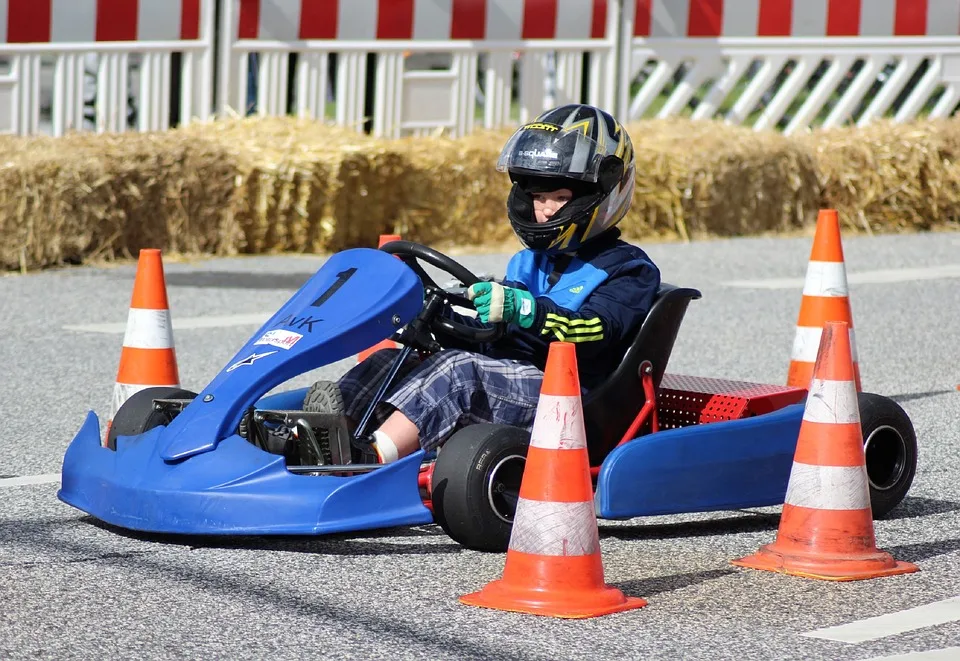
<point>707,178</point>
<point>693,179</point>
<point>285,179</point>
<point>85,196</point>
<point>890,177</point>
<point>453,191</point>
<point>303,185</point>
<point>264,184</point>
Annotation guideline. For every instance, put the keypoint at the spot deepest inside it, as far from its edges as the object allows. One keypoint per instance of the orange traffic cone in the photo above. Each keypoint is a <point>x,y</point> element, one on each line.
<point>553,564</point>
<point>825,298</point>
<point>382,344</point>
<point>826,528</point>
<point>148,357</point>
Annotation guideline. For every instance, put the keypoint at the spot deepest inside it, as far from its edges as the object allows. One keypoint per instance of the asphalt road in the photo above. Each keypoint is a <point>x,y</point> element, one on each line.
<point>70,588</point>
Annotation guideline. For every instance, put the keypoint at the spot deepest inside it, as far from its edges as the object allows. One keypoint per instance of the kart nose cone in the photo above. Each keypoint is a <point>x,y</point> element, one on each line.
<point>235,489</point>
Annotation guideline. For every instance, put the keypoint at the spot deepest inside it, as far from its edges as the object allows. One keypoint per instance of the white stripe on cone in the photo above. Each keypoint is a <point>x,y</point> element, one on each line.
<point>148,329</point>
<point>549,528</point>
<point>806,344</point>
<point>832,402</point>
<point>558,424</point>
<point>826,279</point>
<point>828,487</point>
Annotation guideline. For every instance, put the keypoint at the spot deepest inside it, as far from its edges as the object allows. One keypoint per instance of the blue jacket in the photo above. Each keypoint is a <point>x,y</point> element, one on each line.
<point>597,303</point>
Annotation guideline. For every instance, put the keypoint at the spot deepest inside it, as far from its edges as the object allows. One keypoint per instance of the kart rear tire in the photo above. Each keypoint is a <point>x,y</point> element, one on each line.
<point>137,415</point>
<point>890,448</point>
<point>476,481</point>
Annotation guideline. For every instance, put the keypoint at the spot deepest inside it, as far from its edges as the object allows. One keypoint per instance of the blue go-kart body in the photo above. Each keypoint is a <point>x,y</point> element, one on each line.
<point>197,475</point>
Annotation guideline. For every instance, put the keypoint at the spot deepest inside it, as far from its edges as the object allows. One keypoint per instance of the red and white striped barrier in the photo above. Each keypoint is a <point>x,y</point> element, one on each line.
<point>86,21</point>
<point>417,20</point>
<point>796,18</point>
<point>790,64</point>
<point>410,100</point>
<point>786,64</point>
<point>99,47</point>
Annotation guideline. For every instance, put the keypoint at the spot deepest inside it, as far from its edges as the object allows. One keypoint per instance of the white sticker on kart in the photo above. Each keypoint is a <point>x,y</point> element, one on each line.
<point>280,338</point>
<point>249,360</point>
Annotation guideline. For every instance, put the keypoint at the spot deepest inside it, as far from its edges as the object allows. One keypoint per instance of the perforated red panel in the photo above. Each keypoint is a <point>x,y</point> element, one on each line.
<point>680,409</point>
<point>695,400</point>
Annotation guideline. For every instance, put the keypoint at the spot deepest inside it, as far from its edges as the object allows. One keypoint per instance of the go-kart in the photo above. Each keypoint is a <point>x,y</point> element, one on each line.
<point>245,457</point>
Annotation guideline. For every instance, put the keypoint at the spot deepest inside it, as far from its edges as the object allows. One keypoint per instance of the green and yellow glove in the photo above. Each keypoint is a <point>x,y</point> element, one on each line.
<point>494,303</point>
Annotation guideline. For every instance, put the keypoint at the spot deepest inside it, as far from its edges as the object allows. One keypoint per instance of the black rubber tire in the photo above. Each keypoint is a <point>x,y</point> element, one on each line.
<point>890,446</point>
<point>137,415</point>
<point>476,476</point>
<point>324,397</point>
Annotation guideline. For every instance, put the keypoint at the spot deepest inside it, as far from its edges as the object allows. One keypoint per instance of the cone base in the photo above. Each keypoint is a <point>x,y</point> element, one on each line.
<point>827,567</point>
<point>603,600</point>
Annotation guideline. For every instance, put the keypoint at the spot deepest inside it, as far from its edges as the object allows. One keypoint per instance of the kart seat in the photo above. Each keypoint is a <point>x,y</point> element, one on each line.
<point>611,407</point>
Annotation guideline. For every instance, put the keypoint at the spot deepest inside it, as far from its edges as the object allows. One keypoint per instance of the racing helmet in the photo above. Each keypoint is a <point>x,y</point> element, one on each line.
<point>574,146</point>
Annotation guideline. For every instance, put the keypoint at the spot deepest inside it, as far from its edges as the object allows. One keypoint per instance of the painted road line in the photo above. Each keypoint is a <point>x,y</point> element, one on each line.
<point>944,654</point>
<point>29,480</point>
<point>863,278</point>
<point>939,612</point>
<point>187,323</point>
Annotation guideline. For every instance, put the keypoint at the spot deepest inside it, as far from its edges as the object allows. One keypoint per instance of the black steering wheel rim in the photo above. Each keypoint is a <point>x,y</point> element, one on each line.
<point>411,253</point>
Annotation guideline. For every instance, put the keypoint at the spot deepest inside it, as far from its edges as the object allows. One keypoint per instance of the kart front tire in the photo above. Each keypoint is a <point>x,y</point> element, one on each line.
<point>137,415</point>
<point>476,483</point>
<point>890,448</point>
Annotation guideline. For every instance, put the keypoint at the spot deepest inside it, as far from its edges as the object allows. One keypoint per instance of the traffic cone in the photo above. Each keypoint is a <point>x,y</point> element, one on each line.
<point>382,344</point>
<point>553,564</point>
<point>826,528</point>
<point>148,357</point>
<point>825,298</point>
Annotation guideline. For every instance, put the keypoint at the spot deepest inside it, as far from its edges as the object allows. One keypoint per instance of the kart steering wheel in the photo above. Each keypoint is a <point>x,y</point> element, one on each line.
<point>410,252</point>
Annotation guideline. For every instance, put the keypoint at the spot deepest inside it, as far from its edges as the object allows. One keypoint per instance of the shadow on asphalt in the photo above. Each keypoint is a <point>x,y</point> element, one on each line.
<point>724,526</point>
<point>353,543</point>
<point>648,587</point>
<point>910,396</point>
<point>915,506</point>
<point>923,550</point>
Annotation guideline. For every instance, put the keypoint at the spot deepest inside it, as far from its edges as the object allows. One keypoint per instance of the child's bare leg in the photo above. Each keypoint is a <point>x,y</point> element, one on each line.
<point>399,431</point>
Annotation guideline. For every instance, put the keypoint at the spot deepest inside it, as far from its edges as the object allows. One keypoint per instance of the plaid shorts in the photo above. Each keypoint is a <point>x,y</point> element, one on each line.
<point>446,391</point>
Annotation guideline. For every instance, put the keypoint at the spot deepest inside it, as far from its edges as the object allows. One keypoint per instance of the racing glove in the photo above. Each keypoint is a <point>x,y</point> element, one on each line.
<point>495,303</point>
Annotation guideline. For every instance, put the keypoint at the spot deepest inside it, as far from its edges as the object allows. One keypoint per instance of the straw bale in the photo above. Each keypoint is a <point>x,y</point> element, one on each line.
<point>709,178</point>
<point>693,178</point>
<point>287,179</point>
<point>891,177</point>
<point>263,184</point>
<point>87,196</point>
<point>453,191</point>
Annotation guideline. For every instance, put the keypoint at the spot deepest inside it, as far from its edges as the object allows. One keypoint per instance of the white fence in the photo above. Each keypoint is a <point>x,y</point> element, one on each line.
<point>790,64</point>
<point>399,67</point>
<point>105,66</point>
<point>479,44</point>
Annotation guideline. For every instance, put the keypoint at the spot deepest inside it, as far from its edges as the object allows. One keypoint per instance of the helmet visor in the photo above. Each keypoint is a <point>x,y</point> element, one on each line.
<point>550,150</point>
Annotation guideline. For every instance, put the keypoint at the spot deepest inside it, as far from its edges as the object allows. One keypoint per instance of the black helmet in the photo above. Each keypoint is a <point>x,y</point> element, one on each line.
<point>575,146</point>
